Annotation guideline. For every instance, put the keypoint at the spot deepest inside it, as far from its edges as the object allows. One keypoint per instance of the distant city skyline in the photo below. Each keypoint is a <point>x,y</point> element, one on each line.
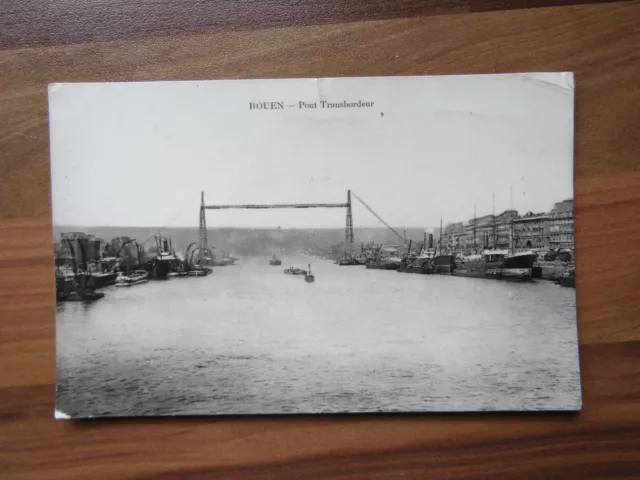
<point>140,154</point>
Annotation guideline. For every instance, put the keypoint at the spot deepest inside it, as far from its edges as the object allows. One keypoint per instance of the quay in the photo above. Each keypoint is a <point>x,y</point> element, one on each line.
<point>501,247</point>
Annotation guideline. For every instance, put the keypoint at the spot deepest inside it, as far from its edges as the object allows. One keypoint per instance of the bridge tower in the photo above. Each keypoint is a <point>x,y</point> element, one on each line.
<point>202,237</point>
<point>348,232</point>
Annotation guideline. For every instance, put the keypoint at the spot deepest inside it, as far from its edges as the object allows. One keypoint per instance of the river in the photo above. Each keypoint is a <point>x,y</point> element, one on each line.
<point>249,339</point>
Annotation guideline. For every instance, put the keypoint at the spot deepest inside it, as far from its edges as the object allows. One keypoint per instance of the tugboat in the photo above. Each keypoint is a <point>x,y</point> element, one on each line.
<point>134,278</point>
<point>308,276</point>
<point>275,261</point>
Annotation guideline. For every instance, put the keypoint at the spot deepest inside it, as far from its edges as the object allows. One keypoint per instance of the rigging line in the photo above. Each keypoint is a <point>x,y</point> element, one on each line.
<point>167,224</point>
<point>378,216</point>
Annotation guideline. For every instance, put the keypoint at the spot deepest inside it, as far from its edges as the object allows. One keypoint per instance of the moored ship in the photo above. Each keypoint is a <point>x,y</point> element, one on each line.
<point>497,264</point>
<point>444,264</point>
<point>222,262</point>
<point>134,278</point>
<point>162,264</point>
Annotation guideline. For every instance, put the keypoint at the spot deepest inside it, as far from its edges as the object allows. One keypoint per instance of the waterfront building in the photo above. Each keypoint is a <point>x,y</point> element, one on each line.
<point>484,231</point>
<point>531,231</point>
<point>561,233</point>
<point>503,228</point>
<point>493,231</point>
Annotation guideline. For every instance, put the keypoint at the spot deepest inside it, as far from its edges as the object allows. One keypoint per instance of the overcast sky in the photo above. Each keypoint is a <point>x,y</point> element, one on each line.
<point>138,154</point>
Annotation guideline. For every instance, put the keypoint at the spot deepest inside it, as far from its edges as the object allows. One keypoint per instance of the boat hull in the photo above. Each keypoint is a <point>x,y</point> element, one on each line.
<point>132,282</point>
<point>382,266</point>
<point>199,273</point>
<point>519,261</point>
<point>444,264</point>
<point>569,282</point>
<point>295,271</point>
<point>223,262</point>
<point>82,297</point>
<point>418,270</point>
<point>158,269</point>
<point>100,280</point>
<point>522,274</point>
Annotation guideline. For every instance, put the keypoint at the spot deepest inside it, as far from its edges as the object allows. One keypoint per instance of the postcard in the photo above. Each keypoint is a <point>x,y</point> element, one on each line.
<point>320,245</point>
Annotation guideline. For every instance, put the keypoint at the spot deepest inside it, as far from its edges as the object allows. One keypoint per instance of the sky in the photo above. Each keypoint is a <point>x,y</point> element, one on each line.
<point>430,148</point>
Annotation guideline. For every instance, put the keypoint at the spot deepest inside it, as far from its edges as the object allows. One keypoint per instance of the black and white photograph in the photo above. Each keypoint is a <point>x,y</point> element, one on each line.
<point>315,246</point>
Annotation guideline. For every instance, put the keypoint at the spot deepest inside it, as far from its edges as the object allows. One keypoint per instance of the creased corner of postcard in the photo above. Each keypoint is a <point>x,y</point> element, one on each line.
<point>563,80</point>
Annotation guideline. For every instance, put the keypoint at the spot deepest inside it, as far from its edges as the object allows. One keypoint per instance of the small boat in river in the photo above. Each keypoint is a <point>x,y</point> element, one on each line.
<point>308,276</point>
<point>200,272</point>
<point>295,271</point>
<point>275,261</point>
<point>567,279</point>
<point>134,278</point>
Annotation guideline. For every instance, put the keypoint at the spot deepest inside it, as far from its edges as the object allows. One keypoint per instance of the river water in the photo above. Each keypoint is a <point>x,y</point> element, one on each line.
<point>250,339</point>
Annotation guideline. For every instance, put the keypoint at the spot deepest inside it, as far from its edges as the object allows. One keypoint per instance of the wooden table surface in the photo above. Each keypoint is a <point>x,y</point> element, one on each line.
<point>44,41</point>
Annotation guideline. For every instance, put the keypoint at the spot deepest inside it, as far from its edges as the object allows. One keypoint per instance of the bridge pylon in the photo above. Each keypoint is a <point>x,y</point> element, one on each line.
<point>348,231</point>
<point>202,236</point>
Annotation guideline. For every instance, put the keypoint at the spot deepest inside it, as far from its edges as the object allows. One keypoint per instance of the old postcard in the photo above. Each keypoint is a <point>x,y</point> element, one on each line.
<point>326,245</point>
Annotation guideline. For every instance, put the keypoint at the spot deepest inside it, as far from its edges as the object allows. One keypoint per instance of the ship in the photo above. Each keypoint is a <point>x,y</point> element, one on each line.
<point>221,262</point>
<point>308,276</point>
<point>75,288</point>
<point>384,263</point>
<point>497,264</point>
<point>348,261</point>
<point>199,272</point>
<point>103,279</point>
<point>275,261</point>
<point>295,271</point>
<point>162,264</point>
<point>136,277</point>
<point>444,264</point>
<point>567,279</point>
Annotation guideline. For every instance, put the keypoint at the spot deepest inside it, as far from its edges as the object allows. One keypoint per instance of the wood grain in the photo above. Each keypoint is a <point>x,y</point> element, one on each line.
<point>600,43</point>
<point>36,23</point>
